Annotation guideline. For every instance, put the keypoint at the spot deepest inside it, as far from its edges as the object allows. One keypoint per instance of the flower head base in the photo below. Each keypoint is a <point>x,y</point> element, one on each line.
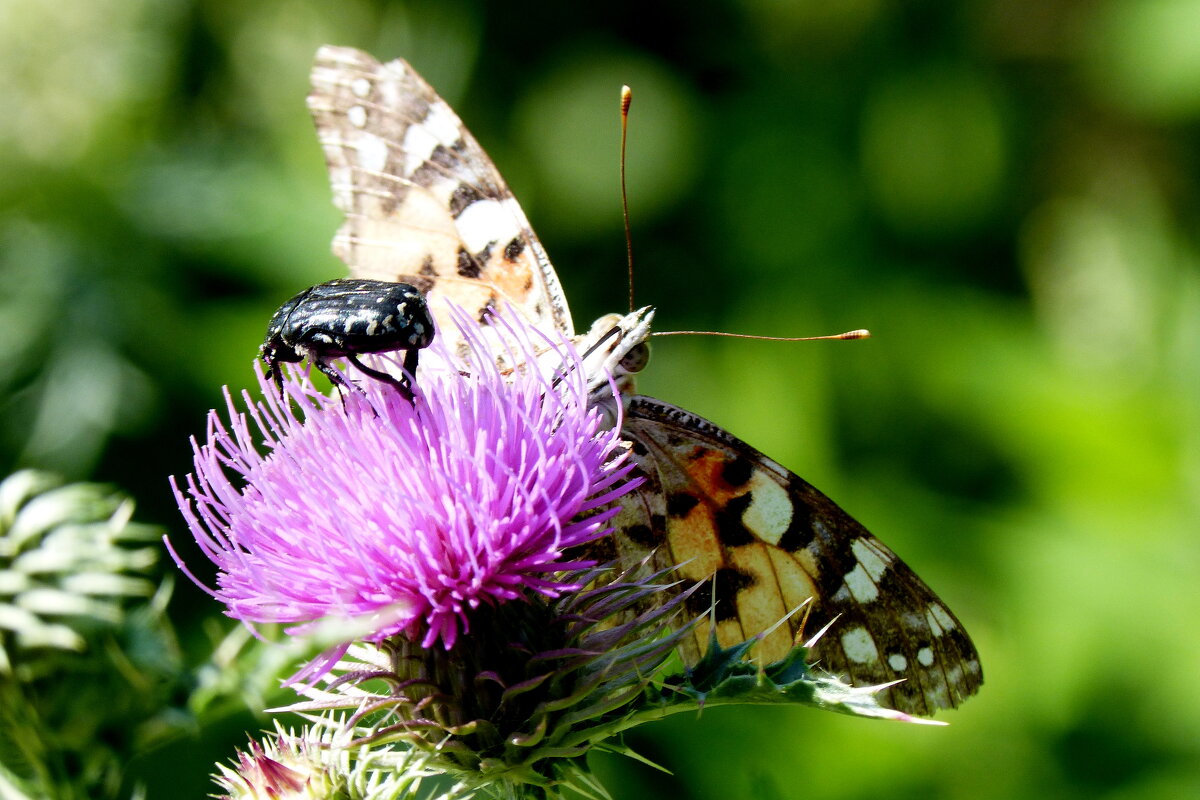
<point>403,517</point>
<point>286,764</point>
<point>511,710</point>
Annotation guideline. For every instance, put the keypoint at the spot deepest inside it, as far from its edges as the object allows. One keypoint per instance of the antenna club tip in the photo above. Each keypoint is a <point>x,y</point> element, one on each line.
<point>861,333</point>
<point>626,98</point>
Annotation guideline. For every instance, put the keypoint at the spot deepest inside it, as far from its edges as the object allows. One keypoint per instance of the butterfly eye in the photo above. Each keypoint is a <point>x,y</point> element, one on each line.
<point>636,359</point>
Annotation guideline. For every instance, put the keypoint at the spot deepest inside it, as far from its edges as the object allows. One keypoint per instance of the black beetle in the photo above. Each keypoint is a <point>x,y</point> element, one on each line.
<point>345,318</point>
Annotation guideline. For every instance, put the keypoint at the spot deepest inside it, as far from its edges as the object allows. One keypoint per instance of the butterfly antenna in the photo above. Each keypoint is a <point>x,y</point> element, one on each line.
<point>861,333</point>
<point>626,99</point>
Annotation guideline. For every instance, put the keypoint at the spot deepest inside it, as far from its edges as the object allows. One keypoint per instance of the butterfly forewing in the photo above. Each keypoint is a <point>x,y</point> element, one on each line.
<point>424,204</point>
<point>763,542</point>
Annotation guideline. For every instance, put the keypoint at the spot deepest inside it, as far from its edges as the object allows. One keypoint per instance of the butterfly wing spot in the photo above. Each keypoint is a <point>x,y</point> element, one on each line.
<point>423,150</point>
<point>858,646</point>
<point>872,557</point>
<point>862,582</point>
<point>641,535</point>
<point>485,222</point>
<point>513,250</point>
<point>898,662</point>
<point>372,152</point>
<point>462,197</point>
<point>680,504</point>
<point>939,619</point>
<point>860,586</point>
<point>719,593</point>
<point>731,528</point>
<point>467,267</point>
<point>422,284</point>
<point>770,511</point>
<point>737,472</point>
<point>440,122</point>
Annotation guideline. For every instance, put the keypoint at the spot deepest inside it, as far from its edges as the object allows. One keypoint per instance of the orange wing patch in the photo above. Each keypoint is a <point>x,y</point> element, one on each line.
<point>752,579</point>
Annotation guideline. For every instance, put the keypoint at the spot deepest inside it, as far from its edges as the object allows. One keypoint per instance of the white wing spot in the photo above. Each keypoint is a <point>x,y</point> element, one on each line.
<point>372,326</point>
<point>859,646</point>
<point>873,561</point>
<point>484,222</point>
<point>357,115</point>
<point>770,511</point>
<point>442,123</point>
<point>372,153</point>
<point>361,87</point>
<point>860,584</point>
<point>419,144</point>
<point>897,662</point>
<point>925,657</point>
<point>942,616</point>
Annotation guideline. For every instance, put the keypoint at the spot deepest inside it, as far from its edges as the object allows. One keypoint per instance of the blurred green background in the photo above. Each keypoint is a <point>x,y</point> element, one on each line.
<point>1003,191</point>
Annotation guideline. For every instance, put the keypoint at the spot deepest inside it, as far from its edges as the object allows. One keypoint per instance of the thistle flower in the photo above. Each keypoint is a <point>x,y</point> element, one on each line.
<point>449,530</point>
<point>399,517</point>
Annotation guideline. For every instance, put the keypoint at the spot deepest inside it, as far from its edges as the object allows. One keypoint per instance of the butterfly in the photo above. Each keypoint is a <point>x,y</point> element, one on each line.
<point>424,205</point>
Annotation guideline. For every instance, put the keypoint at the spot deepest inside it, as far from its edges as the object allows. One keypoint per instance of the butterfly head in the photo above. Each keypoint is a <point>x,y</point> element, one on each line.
<point>616,346</point>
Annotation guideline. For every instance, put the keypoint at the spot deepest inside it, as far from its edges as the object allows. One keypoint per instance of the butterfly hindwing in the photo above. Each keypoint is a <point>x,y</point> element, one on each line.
<point>424,204</point>
<point>762,541</point>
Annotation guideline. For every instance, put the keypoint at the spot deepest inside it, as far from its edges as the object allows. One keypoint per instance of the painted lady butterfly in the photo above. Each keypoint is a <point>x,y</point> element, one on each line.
<point>424,205</point>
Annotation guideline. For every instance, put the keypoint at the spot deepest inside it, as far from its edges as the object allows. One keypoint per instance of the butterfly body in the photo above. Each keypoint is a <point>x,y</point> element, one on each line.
<point>424,205</point>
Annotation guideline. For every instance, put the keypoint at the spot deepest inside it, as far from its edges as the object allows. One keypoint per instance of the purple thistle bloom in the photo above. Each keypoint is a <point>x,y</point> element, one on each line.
<point>405,517</point>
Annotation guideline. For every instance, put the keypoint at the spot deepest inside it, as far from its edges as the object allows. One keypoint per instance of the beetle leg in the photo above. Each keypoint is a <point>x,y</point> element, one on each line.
<point>410,367</point>
<point>329,372</point>
<point>401,385</point>
<point>339,383</point>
